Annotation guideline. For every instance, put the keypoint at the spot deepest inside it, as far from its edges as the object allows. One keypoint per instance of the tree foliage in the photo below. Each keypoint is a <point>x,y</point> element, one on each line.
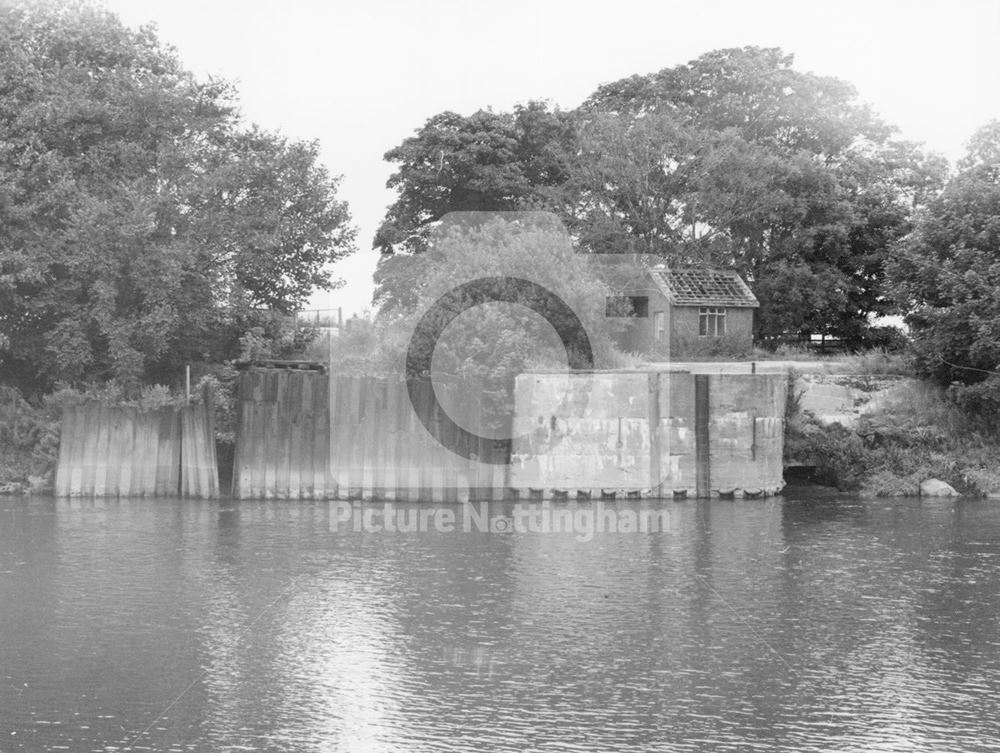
<point>735,159</point>
<point>784,176</point>
<point>143,224</point>
<point>946,272</point>
<point>479,163</point>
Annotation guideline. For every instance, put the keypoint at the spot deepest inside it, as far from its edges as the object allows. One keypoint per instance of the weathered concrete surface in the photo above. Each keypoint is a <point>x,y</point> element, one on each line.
<point>747,432</point>
<point>843,398</point>
<point>581,432</point>
<point>636,432</point>
<point>824,387</point>
<point>820,366</point>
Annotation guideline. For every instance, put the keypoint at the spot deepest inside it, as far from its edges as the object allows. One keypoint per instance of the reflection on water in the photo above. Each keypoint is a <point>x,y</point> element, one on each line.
<point>796,624</point>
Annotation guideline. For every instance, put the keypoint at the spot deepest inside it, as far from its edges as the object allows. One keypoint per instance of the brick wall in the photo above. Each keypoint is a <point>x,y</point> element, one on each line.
<point>685,340</point>
<point>682,333</point>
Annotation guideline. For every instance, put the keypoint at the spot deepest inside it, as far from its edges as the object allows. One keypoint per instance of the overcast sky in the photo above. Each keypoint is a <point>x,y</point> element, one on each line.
<point>360,77</point>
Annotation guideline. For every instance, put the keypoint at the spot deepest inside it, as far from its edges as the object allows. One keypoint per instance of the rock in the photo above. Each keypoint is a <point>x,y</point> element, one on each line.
<point>933,487</point>
<point>39,485</point>
<point>11,489</point>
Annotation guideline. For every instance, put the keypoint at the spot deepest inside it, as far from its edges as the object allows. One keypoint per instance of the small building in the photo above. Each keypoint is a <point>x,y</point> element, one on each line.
<point>679,313</point>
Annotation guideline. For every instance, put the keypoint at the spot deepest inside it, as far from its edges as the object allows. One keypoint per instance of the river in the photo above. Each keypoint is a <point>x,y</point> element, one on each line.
<point>799,623</point>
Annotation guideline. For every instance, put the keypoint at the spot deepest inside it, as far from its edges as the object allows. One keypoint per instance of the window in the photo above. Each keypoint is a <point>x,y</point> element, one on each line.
<point>632,306</point>
<point>711,321</point>
<point>659,326</point>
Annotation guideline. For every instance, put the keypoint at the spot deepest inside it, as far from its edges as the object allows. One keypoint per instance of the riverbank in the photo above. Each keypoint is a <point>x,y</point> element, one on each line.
<point>865,424</point>
<point>858,424</point>
<point>885,435</point>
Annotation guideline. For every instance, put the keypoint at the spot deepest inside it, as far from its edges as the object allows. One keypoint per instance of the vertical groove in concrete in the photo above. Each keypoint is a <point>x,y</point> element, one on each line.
<point>655,476</point>
<point>703,477</point>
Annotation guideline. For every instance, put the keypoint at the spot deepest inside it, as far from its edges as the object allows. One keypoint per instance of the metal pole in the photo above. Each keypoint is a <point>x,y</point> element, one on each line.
<point>187,385</point>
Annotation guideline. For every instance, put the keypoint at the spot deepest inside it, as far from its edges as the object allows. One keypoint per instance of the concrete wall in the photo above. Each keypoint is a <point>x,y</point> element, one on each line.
<point>747,431</point>
<point>843,398</point>
<point>655,433</point>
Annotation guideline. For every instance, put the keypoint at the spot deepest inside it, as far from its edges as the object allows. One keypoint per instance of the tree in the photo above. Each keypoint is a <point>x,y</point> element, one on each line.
<point>479,163</point>
<point>783,176</point>
<point>142,224</point>
<point>946,272</point>
<point>630,183</point>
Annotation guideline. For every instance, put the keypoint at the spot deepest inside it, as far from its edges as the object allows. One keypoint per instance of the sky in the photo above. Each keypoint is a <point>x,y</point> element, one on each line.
<point>360,77</point>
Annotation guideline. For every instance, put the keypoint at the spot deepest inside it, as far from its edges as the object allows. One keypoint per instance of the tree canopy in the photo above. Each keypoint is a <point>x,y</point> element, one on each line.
<point>736,159</point>
<point>946,272</point>
<point>142,224</point>
<point>484,162</point>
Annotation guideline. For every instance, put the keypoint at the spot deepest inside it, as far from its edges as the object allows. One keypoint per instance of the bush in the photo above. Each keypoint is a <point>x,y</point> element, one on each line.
<point>837,454</point>
<point>888,339</point>
<point>979,402</point>
<point>29,437</point>
<point>878,362</point>
<point>885,483</point>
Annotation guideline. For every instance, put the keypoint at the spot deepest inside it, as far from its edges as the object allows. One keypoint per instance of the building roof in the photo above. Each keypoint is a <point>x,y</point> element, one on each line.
<point>704,286</point>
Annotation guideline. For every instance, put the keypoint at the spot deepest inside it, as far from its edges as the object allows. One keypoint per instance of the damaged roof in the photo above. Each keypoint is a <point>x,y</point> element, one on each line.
<point>704,286</point>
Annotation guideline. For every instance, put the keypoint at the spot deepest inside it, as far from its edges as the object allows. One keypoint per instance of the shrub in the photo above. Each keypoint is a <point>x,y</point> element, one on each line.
<point>887,339</point>
<point>837,454</point>
<point>885,483</point>
<point>878,362</point>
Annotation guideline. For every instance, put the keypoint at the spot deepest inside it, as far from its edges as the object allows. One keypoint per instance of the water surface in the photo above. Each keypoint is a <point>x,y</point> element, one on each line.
<point>785,624</point>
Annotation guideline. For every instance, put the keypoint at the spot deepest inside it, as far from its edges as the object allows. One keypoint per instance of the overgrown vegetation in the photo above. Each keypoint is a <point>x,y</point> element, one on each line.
<point>924,434</point>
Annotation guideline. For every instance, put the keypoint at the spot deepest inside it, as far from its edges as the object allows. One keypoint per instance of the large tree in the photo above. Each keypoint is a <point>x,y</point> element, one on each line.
<point>483,162</point>
<point>782,174</point>
<point>946,272</point>
<point>141,223</point>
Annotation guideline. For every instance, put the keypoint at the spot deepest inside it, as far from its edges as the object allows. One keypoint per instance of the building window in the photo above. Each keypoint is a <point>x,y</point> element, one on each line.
<point>711,321</point>
<point>659,326</point>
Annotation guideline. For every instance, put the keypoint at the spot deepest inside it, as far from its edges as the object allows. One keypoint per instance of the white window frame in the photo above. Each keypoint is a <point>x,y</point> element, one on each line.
<point>659,325</point>
<point>711,321</point>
